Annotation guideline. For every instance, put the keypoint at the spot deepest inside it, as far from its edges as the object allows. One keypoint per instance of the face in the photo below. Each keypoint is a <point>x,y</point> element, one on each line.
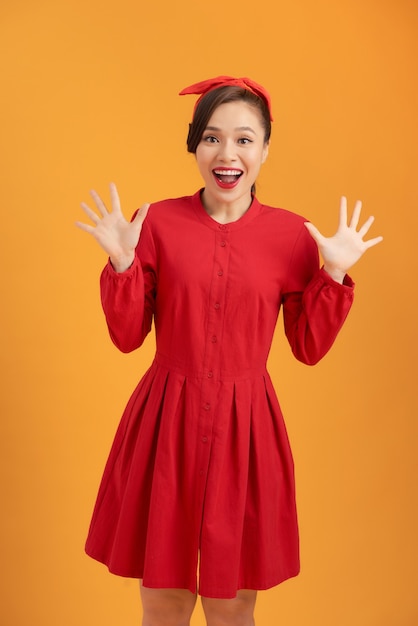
<point>230,154</point>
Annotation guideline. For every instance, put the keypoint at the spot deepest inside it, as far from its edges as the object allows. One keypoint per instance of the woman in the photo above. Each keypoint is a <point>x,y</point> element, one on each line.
<point>201,467</point>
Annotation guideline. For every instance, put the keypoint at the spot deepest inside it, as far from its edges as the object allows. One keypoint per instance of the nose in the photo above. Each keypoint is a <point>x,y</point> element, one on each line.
<point>227,152</point>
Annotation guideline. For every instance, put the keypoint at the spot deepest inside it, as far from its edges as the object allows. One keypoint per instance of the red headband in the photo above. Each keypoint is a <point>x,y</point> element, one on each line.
<point>205,86</point>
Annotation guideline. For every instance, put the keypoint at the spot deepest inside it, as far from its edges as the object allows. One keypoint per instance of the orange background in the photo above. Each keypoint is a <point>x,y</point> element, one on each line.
<point>89,95</point>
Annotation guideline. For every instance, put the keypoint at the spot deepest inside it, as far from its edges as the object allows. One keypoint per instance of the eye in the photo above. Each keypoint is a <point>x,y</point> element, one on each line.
<point>244,140</point>
<point>209,139</point>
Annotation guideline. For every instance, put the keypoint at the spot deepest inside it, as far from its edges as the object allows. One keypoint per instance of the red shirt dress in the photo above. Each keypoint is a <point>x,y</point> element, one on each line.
<point>201,461</point>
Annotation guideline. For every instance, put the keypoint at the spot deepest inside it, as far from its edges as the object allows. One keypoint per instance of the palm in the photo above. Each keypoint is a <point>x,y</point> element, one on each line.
<point>341,251</point>
<point>112,231</point>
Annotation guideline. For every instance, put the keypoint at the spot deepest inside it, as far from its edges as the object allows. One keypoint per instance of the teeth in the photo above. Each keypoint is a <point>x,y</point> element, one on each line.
<point>228,172</point>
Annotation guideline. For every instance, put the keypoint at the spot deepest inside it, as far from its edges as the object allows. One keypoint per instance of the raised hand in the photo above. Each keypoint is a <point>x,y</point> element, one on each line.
<point>341,251</point>
<point>112,231</point>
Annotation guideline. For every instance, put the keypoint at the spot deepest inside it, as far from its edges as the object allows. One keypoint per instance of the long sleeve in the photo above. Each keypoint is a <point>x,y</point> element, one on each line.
<point>128,298</point>
<point>314,305</point>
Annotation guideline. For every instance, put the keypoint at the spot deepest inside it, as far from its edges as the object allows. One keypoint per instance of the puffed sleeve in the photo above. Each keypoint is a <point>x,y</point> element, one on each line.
<point>314,305</point>
<point>128,298</point>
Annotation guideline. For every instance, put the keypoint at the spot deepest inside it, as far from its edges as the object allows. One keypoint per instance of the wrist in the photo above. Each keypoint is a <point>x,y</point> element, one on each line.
<point>335,273</point>
<point>121,263</point>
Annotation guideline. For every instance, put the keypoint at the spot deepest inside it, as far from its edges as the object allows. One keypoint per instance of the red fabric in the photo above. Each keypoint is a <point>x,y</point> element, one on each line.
<point>210,84</point>
<point>201,458</point>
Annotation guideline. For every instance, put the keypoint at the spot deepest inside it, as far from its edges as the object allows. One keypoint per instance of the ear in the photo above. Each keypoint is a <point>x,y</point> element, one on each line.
<point>265,151</point>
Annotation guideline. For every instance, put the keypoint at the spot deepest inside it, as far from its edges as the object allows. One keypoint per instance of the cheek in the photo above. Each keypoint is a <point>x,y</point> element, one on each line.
<point>258,160</point>
<point>202,156</point>
<point>199,159</point>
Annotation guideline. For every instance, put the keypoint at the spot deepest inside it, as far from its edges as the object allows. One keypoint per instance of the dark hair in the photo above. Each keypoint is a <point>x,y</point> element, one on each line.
<point>215,98</point>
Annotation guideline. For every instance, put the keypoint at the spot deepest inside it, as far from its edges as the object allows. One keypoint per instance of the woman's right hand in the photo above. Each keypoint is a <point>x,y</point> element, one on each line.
<point>112,231</point>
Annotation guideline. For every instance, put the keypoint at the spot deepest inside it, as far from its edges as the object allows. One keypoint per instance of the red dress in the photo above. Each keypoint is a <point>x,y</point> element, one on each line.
<point>201,459</point>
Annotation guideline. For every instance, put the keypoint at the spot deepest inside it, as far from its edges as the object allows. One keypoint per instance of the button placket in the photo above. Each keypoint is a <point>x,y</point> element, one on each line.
<point>211,366</point>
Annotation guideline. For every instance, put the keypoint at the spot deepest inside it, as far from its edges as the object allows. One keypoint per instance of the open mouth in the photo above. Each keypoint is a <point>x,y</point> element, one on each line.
<point>227,177</point>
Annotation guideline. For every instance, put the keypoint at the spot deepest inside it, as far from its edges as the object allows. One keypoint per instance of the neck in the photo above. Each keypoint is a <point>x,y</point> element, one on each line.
<point>225,212</point>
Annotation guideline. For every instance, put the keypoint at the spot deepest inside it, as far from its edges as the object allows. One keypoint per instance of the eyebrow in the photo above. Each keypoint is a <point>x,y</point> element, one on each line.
<point>240,128</point>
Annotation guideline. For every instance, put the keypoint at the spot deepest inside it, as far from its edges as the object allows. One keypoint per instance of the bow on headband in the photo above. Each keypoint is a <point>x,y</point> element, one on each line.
<point>205,86</point>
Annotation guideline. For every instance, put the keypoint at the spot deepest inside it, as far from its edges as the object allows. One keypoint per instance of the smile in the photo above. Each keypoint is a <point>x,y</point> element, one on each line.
<point>227,178</point>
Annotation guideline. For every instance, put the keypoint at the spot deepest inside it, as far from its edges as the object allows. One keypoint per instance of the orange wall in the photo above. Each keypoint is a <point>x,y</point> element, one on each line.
<point>88,96</point>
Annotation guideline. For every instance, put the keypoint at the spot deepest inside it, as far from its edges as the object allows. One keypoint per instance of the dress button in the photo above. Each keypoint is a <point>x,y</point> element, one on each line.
<point>201,472</point>
<point>214,339</point>
<point>204,439</point>
<point>222,227</point>
<point>223,244</point>
<point>210,374</point>
<point>220,273</point>
<point>217,305</point>
<point>207,406</point>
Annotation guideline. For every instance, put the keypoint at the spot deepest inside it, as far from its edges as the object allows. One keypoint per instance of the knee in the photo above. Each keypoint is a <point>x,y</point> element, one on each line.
<point>166,607</point>
<point>236,612</point>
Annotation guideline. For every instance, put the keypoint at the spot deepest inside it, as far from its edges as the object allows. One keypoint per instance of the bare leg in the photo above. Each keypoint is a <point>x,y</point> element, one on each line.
<point>236,612</point>
<point>166,607</point>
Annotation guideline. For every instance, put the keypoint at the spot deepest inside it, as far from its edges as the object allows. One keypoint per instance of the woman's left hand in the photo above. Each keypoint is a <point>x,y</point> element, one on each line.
<point>341,251</point>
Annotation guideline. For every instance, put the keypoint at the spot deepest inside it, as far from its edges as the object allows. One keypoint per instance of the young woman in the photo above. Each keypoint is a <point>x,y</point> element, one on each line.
<point>200,474</point>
